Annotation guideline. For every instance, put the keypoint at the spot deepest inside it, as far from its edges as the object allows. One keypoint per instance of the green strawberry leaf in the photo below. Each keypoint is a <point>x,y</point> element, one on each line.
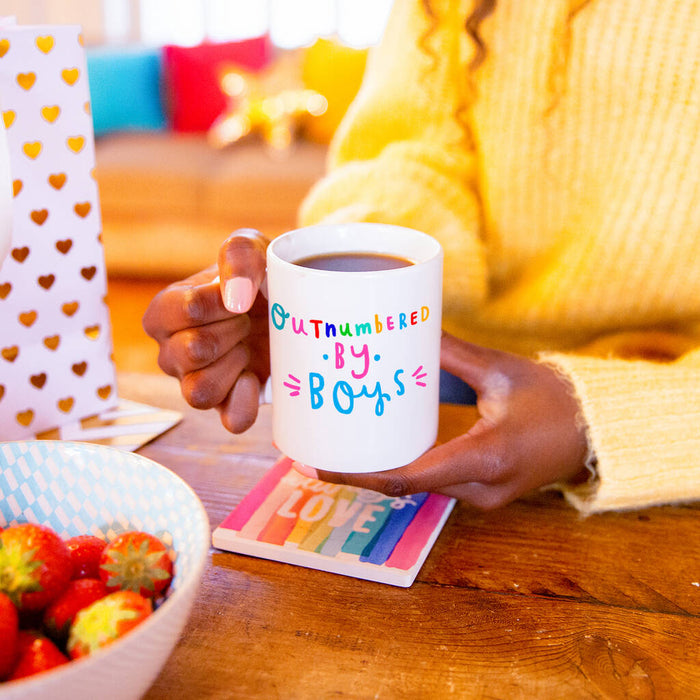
<point>136,568</point>
<point>18,572</point>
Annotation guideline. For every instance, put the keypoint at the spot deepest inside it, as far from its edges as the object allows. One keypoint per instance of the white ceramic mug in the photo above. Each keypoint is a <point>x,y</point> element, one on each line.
<point>355,356</point>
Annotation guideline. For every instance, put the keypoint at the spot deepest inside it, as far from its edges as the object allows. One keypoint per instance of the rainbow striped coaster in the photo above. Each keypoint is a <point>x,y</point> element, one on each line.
<point>346,530</point>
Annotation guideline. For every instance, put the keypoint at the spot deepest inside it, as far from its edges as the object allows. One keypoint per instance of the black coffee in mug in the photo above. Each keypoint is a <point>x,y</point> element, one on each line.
<point>353,262</point>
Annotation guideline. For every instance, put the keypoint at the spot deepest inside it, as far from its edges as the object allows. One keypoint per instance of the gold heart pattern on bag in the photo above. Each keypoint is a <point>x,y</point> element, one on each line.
<point>70,75</point>
<point>46,281</point>
<point>50,112</point>
<point>55,356</point>
<point>32,149</point>
<point>26,80</point>
<point>75,143</point>
<point>20,254</point>
<point>44,43</point>
<point>38,380</point>
<point>57,180</point>
<point>39,216</point>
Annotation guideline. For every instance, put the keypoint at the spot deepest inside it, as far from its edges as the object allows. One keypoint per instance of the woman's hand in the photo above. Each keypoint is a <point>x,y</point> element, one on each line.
<point>213,333</point>
<point>529,434</point>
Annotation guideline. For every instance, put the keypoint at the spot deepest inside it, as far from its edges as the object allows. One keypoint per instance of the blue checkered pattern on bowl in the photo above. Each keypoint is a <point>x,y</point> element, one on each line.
<point>78,488</point>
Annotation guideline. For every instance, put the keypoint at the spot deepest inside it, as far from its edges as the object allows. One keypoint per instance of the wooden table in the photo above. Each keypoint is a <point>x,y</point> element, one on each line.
<point>530,601</point>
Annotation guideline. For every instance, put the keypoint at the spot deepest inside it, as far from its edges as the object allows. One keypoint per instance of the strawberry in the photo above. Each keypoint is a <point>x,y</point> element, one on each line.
<point>37,653</point>
<point>35,565</point>
<point>85,552</point>
<point>105,621</point>
<point>9,628</point>
<point>59,615</point>
<point>136,561</point>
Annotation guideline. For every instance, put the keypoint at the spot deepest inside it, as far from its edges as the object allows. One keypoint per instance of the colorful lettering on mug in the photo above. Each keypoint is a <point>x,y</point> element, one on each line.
<point>363,353</point>
<point>352,359</point>
<point>345,398</point>
<point>322,328</point>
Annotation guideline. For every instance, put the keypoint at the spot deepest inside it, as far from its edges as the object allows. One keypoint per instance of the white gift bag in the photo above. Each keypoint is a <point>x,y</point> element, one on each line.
<point>55,339</point>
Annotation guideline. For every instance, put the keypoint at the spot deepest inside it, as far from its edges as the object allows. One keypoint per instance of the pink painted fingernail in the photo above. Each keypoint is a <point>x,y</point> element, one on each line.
<point>305,471</point>
<point>238,295</point>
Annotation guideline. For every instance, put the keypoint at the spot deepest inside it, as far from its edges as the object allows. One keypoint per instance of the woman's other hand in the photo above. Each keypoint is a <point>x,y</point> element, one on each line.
<point>529,434</point>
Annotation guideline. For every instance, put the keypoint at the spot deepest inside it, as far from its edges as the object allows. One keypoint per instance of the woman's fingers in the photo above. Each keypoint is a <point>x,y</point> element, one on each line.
<point>211,329</point>
<point>184,305</point>
<point>479,475</point>
<point>241,269</point>
<point>473,364</point>
<point>202,277</point>
<point>472,457</point>
<point>482,496</point>
<point>212,294</point>
<point>208,387</point>
<point>196,348</point>
<point>240,408</point>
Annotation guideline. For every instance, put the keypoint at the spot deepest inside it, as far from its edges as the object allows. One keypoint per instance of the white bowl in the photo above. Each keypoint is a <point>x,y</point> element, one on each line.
<point>77,489</point>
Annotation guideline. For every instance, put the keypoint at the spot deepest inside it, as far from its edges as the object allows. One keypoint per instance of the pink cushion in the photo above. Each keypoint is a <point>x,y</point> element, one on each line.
<point>192,73</point>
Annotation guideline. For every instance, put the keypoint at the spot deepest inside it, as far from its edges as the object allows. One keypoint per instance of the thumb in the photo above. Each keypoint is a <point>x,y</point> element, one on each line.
<point>241,268</point>
<point>471,363</point>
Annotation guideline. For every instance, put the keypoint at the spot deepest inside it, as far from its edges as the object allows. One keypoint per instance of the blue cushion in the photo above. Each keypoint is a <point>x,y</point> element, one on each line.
<point>125,89</point>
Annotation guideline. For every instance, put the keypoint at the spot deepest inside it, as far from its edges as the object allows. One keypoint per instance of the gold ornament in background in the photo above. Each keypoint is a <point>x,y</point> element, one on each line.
<point>272,103</point>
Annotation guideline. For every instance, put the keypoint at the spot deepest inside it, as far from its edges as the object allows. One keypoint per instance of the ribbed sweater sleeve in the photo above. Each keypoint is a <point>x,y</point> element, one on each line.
<point>563,180</point>
<point>400,157</point>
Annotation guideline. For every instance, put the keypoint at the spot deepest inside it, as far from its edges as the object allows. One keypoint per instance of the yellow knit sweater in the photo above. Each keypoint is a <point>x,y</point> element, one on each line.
<point>562,178</point>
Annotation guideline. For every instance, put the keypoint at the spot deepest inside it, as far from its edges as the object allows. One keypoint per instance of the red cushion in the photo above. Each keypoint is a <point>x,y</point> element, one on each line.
<point>195,98</point>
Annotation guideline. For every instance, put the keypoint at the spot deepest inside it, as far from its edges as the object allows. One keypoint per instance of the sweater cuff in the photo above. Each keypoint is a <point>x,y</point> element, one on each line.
<point>643,422</point>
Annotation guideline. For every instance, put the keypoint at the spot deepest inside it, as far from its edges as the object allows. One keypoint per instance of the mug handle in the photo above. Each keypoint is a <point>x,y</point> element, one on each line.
<point>266,392</point>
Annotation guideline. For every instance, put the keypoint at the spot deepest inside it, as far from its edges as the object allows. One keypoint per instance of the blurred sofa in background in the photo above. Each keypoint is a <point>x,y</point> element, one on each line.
<point>169,196</point>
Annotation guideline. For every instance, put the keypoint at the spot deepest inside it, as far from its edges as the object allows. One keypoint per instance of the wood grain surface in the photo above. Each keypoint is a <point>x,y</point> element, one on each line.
<point>529,601</point>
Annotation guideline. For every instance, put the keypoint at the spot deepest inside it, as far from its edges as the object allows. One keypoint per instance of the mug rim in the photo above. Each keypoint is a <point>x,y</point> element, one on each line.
<point>399,241</point>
